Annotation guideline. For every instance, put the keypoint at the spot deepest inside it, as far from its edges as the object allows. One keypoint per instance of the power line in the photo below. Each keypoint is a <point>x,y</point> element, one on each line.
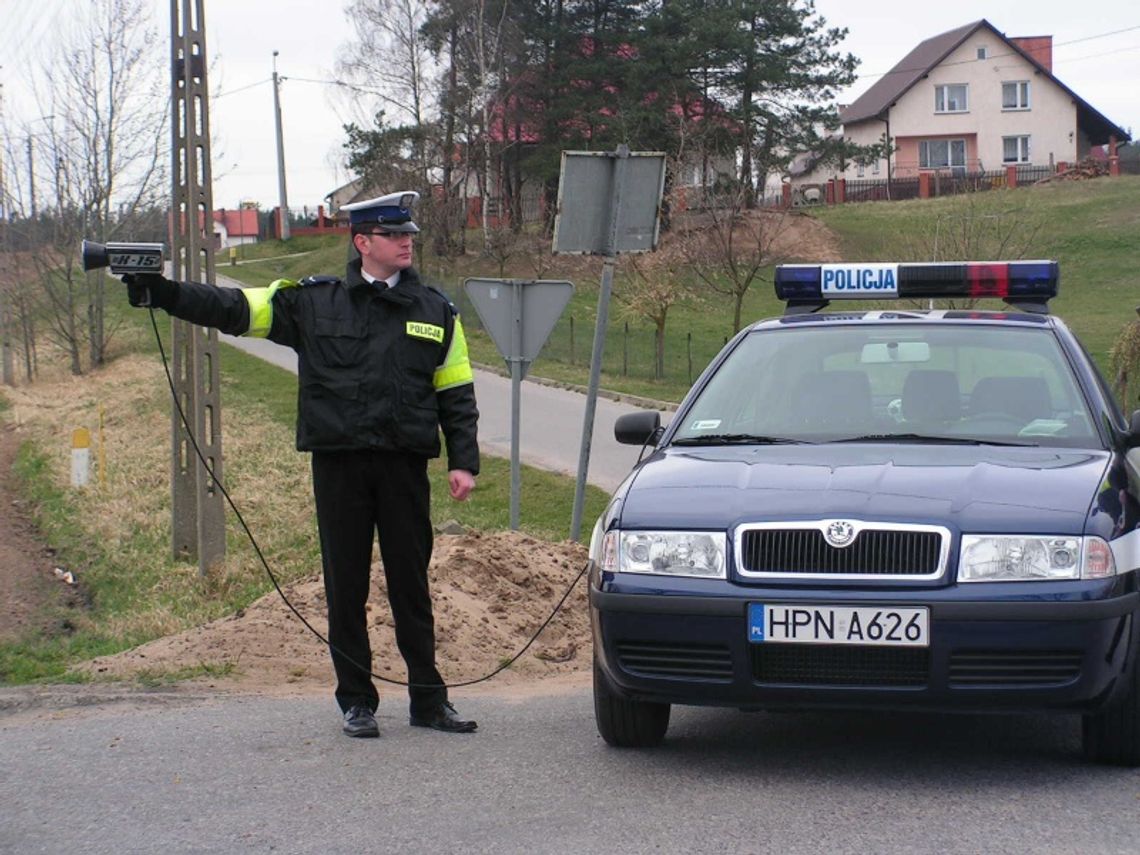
<point>344,84</point>
<point>241,89</point>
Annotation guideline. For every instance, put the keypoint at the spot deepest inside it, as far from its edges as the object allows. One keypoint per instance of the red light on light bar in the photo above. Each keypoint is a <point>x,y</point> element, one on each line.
<point>987,280</point>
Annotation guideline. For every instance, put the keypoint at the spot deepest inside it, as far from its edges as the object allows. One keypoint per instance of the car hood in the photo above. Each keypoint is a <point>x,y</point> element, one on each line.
<point>971,488</point>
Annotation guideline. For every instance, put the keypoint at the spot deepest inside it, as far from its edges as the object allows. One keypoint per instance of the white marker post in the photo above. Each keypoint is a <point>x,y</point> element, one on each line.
<point>80,456</point>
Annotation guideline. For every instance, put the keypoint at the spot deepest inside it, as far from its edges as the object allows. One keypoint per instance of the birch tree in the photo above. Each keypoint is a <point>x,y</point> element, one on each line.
<point>100,146</point>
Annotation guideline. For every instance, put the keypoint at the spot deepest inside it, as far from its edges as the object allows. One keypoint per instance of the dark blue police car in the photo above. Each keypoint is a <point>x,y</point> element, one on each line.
<point>923,509</point>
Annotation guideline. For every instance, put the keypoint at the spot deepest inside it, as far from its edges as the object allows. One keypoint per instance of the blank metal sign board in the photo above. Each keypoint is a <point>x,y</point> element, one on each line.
<point>586,200</point>
<point>534,306</point>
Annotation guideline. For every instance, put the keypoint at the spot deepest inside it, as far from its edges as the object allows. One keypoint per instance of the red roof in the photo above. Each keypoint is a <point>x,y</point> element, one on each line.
<point>238,223</point>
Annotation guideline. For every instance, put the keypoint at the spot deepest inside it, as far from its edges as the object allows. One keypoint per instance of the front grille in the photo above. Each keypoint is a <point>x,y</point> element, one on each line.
<point>690,661</point>
<point>873,552</point>
<point>840,665</point>
<point>1014,668</point>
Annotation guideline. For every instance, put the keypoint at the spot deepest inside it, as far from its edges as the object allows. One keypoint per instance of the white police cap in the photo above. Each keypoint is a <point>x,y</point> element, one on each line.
<point>392,213</point>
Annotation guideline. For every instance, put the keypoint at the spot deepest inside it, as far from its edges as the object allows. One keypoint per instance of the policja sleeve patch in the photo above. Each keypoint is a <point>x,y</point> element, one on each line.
<point>431,332</point>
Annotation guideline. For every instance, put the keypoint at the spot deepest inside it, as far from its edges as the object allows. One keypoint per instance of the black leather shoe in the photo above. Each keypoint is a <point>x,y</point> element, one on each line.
<point>359,721</point>
<point>443,717</point>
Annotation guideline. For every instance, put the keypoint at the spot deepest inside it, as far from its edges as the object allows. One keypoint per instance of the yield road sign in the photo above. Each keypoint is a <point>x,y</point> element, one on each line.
<point>519,315</point>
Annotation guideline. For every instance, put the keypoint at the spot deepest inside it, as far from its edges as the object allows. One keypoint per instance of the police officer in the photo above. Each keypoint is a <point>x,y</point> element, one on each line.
<point>382,365</point>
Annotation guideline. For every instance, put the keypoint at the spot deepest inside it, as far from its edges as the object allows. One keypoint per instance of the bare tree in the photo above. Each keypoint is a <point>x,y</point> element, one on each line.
<point>728,245</point>
<point>104,108</point>
<point>482,40</point>
<point>651,285</point>
<point>390,61</point>
<point>977,227</point>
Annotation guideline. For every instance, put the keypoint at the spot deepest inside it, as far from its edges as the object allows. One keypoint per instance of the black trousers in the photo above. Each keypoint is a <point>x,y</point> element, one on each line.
<point>360,494</point>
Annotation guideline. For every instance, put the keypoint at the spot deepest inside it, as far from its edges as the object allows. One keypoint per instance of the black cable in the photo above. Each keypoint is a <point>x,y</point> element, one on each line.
<point>273,578</point>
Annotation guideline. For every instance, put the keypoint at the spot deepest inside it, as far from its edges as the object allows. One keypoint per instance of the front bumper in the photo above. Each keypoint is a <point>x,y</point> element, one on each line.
<point>997,654</point>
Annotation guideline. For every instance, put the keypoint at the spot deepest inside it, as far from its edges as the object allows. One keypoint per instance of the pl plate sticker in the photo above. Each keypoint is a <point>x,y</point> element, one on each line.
<point>705,424</point>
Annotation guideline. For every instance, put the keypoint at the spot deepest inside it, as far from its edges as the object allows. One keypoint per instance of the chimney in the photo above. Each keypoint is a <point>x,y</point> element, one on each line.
<point>1038,47</point>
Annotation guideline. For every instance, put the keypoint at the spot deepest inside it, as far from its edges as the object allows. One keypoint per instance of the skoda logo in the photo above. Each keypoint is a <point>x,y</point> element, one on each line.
<point>839,533</point>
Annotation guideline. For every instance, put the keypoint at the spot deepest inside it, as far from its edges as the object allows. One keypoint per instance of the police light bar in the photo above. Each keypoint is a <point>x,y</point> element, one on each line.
<point>1033,282</point>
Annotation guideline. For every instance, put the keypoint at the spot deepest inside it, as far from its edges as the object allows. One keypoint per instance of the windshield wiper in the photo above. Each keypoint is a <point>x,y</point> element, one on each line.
<point>918,437</point>
<point>736,439</point>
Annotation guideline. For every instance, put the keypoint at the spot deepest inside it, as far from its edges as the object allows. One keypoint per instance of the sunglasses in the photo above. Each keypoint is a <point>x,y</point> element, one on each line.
<point>389,235</point>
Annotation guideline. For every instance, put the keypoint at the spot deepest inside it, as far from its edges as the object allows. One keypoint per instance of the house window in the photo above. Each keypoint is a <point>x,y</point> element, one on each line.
<point>1015,149</point>
<point>862,170</point>
<point>952,98</point>
<point>942,154</point>
<point>875,167</point>
<point>983,52</point>
<point>1015,95</point>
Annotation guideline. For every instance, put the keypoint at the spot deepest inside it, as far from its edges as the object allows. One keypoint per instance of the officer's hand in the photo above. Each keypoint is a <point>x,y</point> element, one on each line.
<point>149,289</point>
<point>461,483</point>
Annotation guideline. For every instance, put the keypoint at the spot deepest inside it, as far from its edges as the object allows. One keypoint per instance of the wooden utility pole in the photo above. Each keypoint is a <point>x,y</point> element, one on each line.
<point>198,515</point>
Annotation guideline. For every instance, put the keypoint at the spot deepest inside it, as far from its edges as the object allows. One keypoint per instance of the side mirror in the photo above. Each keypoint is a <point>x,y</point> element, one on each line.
<point>636,428</point>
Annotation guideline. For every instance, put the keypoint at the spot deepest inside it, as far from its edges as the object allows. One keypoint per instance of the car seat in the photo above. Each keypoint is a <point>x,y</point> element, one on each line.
<point>839,400</point>
<point>931,398</point>
<point>1027,398</point>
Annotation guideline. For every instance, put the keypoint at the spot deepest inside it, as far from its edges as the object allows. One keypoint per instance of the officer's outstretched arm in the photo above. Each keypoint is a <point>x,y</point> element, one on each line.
<point>225,309</point>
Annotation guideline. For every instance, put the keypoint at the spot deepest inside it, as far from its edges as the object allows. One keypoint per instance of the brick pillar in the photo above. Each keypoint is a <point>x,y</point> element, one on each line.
<point>831,191</point>
<point>786,195</point>
<point>1061,166</point>
<point>321,217</point>
<point>841,190</point>
<point>924,185</point>
<point>1113,158</point>
<point>1011,177</point>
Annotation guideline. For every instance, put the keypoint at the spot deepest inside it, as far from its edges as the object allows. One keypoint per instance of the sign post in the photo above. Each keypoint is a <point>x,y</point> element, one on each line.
<point>519,316</point>
<point>608,203</point>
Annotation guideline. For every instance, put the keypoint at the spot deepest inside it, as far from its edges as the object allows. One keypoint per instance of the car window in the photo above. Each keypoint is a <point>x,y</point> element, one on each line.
<point>959,382</point>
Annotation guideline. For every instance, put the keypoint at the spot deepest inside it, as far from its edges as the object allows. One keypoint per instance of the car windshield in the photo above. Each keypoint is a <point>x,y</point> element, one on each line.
<point>897,382</point>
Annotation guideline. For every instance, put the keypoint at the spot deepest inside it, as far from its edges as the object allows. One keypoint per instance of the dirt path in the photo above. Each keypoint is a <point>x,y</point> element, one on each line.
<point>34,597</point>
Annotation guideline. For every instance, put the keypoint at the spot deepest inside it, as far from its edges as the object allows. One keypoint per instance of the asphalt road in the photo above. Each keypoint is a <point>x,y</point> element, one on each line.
<point>179,773</point>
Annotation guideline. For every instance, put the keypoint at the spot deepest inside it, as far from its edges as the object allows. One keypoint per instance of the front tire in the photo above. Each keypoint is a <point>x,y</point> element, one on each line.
<point>626,723</point>
<point>1112,735</point>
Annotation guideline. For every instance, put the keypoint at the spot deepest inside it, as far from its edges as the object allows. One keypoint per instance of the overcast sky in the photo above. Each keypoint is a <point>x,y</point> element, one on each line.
<point>1095,55</point>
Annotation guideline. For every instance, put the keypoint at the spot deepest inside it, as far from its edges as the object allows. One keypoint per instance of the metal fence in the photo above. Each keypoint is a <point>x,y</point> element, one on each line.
<point>873,190</point>
<point>942,183</point>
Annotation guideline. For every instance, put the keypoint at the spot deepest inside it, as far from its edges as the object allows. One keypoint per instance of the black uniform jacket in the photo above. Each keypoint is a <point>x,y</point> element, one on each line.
<point>379,368</point>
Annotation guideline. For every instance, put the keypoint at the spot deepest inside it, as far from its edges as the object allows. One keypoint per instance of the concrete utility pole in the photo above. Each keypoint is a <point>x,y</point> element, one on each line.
<point>284,199</point>
<point>198,519</point>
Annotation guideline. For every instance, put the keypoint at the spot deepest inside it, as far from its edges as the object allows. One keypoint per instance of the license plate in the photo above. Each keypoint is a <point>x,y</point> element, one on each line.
<point>891,626</point>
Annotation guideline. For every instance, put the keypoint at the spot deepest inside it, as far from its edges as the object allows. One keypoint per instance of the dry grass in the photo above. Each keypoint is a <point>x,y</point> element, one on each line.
<point>126,507</point>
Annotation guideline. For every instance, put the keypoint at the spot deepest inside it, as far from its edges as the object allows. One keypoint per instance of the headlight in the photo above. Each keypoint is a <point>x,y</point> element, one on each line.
<point>671,553</point>
<point>992,558</point>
